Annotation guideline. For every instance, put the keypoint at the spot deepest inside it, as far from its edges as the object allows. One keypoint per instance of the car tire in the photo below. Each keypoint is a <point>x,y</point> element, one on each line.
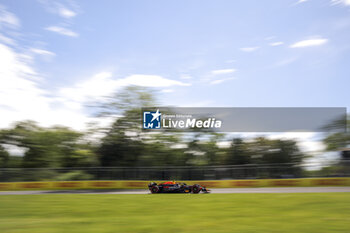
<point>196,189</point>
<point>154,189</point>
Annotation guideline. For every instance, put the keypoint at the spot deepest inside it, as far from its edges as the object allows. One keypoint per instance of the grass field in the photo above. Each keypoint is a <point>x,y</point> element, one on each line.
<point>312,212</point>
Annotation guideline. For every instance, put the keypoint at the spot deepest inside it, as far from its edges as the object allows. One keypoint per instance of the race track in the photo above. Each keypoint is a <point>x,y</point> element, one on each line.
<point>223,190</point>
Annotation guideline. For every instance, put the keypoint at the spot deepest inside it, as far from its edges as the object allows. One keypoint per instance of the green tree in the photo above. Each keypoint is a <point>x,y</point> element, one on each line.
<point>202,148</point>
<point>126,101</point>
<point>4,157</point>
<point>47,147</point>
<point>123,144</point>
<point>264,151</point>
<point>278,151</point>
<point>238,153</point>
<point>340,139</point>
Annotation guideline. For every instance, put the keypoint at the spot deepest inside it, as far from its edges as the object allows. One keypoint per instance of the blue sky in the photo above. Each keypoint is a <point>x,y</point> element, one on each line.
<point>56,56</point>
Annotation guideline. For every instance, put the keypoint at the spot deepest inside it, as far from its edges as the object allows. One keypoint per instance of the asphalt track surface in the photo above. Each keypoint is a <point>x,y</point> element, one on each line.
<point>223,190</point>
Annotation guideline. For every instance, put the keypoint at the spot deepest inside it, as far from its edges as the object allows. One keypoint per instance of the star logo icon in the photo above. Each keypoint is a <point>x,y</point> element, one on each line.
<point>151,120</point>
<point>156,115</point>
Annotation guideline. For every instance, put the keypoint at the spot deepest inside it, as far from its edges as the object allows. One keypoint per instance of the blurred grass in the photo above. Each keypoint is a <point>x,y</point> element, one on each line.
<point>311,212</point>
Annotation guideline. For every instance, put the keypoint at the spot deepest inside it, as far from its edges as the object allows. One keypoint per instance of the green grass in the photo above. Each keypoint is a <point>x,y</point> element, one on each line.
<point>312,212</point>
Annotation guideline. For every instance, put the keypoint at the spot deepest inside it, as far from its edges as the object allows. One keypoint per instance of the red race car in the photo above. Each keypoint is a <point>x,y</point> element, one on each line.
<point>173,187</point>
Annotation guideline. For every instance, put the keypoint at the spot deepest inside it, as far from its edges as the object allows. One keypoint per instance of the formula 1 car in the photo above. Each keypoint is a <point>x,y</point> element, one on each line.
<point>173,187</point>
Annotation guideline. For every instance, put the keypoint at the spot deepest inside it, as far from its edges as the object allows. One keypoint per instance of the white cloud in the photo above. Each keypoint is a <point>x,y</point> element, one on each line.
<point>7,40</point>
<point>42,52</point>
<point>8,19</point>
<point>344,2</point>
<point>167,90</point>
<point>22,98</point>
<point>93,88</point>
<point>276,43</point>
<point>103,84</point>
<point>185,76</point>
<point>223,71</point>
<point>20,95</point>
<point>150,81</point>
<point>249,49</point>
<point>218,81</point>
<point>65,12</point>
<point>308,43</point>
<point>62,31</point>
<point>301,1</point>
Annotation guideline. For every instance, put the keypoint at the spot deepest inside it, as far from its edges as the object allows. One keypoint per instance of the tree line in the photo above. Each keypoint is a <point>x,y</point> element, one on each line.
<point>124,144</point>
